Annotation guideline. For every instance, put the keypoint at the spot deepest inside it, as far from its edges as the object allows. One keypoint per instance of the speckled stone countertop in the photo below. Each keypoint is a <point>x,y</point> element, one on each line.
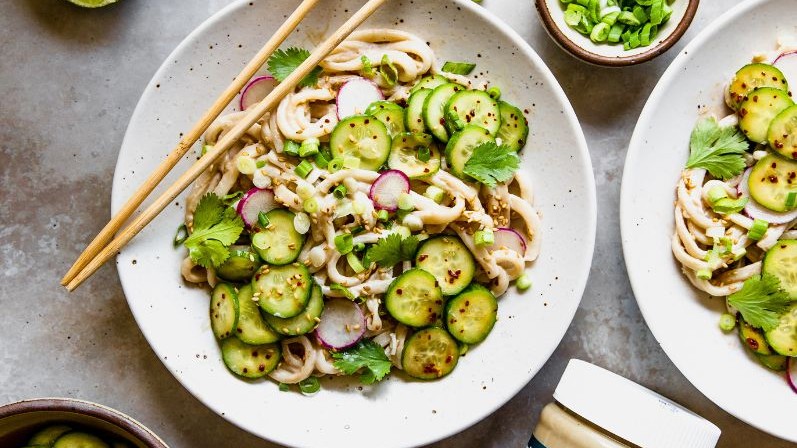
<point>69,80</point>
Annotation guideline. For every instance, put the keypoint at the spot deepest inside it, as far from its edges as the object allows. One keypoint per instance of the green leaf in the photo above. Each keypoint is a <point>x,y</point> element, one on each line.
<point>458,68</point>
<point>367,355</point>
<point>283,62</point>
<point>391,250</point>
<point>216,227</point>
<point>209,212</point>
<point>491,163</point>
<point>761,301</point>
<point>209,253</point>
<point>718,150</point>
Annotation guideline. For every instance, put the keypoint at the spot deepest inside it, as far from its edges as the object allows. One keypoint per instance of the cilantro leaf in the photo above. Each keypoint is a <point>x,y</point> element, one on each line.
<point>761,301</point>
<point>208,253</point>
<point>491,163</point>
<point>216,226</point>
<point>718,150</point>
<point>367,355</point>
<point>283,62</point>
<point>391,250</point>
<point>209,212</point>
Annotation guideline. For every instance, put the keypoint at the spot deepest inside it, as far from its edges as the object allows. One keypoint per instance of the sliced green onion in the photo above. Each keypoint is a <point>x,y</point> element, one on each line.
<point>344,243</point>
<point>340,192</point>
<point>453,120</point>
<point>610,18</point>
<point>738,253</point>
<point>284,387</point>
<point>321,160</point>
<point>424,154</point>
<point>206,149</point>
<point>354,263</point>
<point>301,223</point>
<point>523,282</point>
<point>727,322</point>
<point>351,162</point>
<point>628,18</point>
<point>405,202</point>
<point>382,215</point>
<point>230,199</point>
<point>494,92</point>
<point>435,193</point>
<point>388,71</point>
<point>758,229</point>
<point>181,235</point>
<point>246,165</point>
<point>359,247</point>
<point>574,13</point>
<point>260,164</point>
<point>704,274</point>
<point>728,206</point>
<point>368,67</point>
<point>310,385</point>
<point>615,33</point>
<point>715,194</point>
<point>791,199</point>
<point>648,34</point>
<point>335,164</point>
<point>291,148</point>
<point>458,68</point>
<point>600,33</point>
<point>305,190</point>
<point>640,14</point>
<point>484,237</point>
<point>343,290</point>
<point>309,147</point>
<point>310,205</point>
<point>303,169</point>
<point>357,230</point>
<point>262,219</point>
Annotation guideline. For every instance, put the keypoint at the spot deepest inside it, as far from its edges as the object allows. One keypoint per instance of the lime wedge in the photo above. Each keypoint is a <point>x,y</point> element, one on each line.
<point>92,3</point>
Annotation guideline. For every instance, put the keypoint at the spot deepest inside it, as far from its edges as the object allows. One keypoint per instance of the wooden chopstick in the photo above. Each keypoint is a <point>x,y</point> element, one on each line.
<point>221,147</point>
<point>188,140</point>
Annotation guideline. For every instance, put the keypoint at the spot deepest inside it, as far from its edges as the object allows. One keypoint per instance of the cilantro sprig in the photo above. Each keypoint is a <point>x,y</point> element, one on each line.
<point>283,62</point>
<point>761,301</point>
<point>491,163</point>
<point>719,150</point>
<point>366,355</point>
<point>216,227</point>
<point>391,250</point>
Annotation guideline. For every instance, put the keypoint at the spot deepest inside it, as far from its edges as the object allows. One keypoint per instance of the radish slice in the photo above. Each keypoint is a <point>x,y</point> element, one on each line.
<point>342,324</point>
<point>509,239</point>
<point>387,188</point>
<point>757,211</point>
<point>787,63</point>
<point>356,95</point>
<point>253,202</point>
<point>256,90</point>
<point>791,374</point>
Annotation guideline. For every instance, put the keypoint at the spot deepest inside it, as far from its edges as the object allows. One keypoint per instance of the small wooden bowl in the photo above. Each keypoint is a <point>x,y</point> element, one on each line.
<point>552,16</point>
<point>20,420</point>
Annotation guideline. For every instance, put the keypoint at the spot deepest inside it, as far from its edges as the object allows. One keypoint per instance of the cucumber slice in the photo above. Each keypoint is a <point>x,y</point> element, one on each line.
<point>430,354</point>
<point>305,322</point>
<point>429,82</point>
<point>782,134</point>
<point>514,130</point>
<point>48,435</point>
<point>362,137</point>
<point>390,114</point>
<point>414,299</point>
<point>473,107</point>
<point>753,339</point>
<point>449,261</point>
<point>283,291</point>
<point>777,363</point>
<point>77,439</point>
<point>249,361</point>
<point>414,116</point>
<point>404,155</point>
<point>241,266</point>
<point>434,109</point>
<point>771,180</point>
<point>757,112</point>
<point>279,243</point>
<point>753,76</point>
<point>783,338</point>
<point>223,310</point>
<point>471,315</point>
<point>252,328</point>
<point>460,147</point>
<point>781,261</point>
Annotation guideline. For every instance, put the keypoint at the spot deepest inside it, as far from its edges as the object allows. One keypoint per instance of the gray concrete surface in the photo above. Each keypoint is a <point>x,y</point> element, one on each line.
<point>69,79</point>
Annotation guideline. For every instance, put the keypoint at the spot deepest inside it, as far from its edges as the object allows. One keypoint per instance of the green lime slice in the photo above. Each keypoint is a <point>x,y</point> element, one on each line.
<point>92,3</point>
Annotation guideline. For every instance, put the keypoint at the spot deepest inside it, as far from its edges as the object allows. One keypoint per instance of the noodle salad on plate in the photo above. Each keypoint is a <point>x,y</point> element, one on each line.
<point>370,222</point>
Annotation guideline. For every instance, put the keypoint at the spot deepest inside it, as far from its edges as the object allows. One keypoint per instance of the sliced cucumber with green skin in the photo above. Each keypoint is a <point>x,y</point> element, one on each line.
<point>434,109</point>
<point>250,361</point>
<point>781,261</point>
<point>78,439</point>
<point>753,76</point>
<point>471,315</point>
<point>241,266</point>
<point>362,137</point>
<point>415,299</point>
<point>390,114</point>
<point>429,82</point>
<point>305,322</point>
<point>782,134</point>
<point>460,147</point>
<point>414,116</point>
<point>404,155</point>
<point>474,107</point>
<point>223,310</point>
<point>753,339</point>
<point>777,363</point>
<point>252,328</point>
<point>430,354</point>
<point>783,338</point>
<point>48,435</point>
<point>759,109</point>
<point>771,180</point>
<point>514,130</point>
<point>279,243</point>
<point>449,261</point>
<point>283,291</point>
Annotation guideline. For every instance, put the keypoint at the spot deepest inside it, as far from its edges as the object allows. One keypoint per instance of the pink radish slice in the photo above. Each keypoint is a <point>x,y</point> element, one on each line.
<point>256,90</point>
<point>509,239</point>
<point>787,63</point>
<point>791,374</point>
<point>253,202</point>
<point>342,324</point>
<point>757,211</point>
<point>387,188</point>
<point>356,95</point>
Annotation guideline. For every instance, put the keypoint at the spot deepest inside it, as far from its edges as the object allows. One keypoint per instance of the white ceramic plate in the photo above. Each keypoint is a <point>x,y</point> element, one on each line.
<point>684,321</point>
<point>174,316</point>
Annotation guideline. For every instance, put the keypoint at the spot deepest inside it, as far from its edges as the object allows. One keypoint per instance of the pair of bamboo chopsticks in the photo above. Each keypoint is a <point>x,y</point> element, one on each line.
<point>105,245</point>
